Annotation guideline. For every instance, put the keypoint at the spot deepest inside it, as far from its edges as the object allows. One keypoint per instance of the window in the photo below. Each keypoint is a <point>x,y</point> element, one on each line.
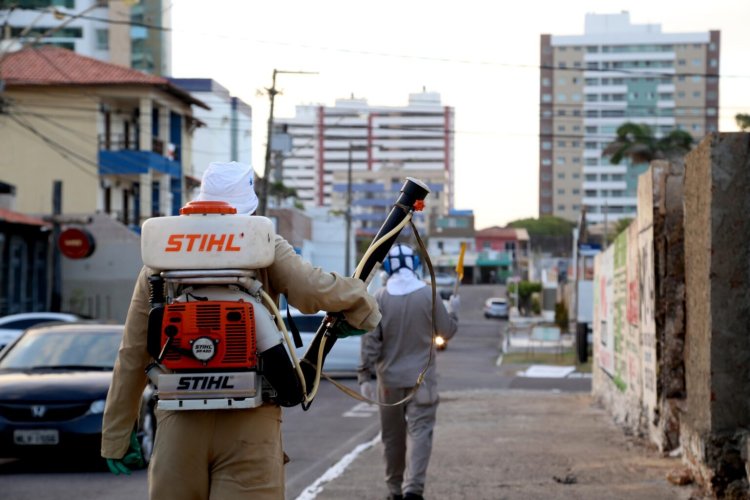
<point>546,97</point>
<point>561,128</point>
<point>546,161</point>
<point>561,144</point>
<point>576,112</point>
<point>102,39</point>
<point>561,175</point>
<point>590,145</point>
<point>576,191</point>
<point>545,82</point>
<point>697,94</point>
<point>561,81</point>
<point>696,62</point>
<point>590,178</point>
<point>561,207</point>
<point>575,144</point>
<point>561,160</point>
<point>576,175</point>
<point>713,63</point>
<point>561,97</point>
<point>576,160</point>
<point>561,112</point>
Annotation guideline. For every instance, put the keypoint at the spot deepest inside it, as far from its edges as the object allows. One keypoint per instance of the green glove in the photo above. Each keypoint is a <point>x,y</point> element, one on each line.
<point>133,459</point>
<point>344,329</point>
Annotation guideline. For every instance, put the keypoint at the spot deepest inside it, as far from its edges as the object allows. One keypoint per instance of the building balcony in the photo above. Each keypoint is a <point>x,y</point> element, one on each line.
<point>118,155</point>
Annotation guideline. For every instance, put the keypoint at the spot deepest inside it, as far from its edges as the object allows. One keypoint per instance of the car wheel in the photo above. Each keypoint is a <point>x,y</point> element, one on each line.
<point>486,316</point>
<point>147,434</point>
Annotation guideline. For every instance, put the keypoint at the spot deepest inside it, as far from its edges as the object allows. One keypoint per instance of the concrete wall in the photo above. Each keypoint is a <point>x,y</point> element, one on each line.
<point>672,314</point>
<point>717,278</point>
<point>101,286</point>
<point>633,285</point>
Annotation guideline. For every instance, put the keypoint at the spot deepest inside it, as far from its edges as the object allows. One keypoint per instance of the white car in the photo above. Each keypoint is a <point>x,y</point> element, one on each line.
<point>13,325</point>
<point>343,359</point>
<point>496,307</point>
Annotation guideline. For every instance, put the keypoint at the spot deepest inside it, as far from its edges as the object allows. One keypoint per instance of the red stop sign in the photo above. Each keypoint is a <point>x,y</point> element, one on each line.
<point>76,243</point>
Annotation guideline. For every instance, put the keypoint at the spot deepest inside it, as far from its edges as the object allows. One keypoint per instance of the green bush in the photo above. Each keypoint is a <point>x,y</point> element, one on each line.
<point>525,291</point>
<point>561,316</point>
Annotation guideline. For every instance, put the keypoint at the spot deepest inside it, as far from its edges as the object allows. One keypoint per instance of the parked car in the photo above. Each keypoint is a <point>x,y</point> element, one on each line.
<point>13,325</point>
<point>496,307</point>
<point>53,386</point>
<point>343,359</point>
<point>442,279</point>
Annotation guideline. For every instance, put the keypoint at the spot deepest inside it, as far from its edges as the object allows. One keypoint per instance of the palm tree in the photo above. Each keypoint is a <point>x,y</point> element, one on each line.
<point>638,143</point>
<point>743,121</point>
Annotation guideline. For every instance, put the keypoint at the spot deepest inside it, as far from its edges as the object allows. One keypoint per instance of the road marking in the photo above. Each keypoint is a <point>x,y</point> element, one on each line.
<point>361,410</point>
<point>312,491</point>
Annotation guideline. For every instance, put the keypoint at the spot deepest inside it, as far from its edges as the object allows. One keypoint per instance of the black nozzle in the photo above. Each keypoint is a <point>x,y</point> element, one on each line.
<point>412,192</point>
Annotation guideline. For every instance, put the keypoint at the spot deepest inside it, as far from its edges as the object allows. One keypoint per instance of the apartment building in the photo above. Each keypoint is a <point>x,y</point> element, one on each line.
<point>124,32</point>
<point>380,145</point>
<point>590,84</point>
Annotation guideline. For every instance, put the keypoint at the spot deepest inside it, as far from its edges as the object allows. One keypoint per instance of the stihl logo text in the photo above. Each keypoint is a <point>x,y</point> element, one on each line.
<point>204,383</point>
<point>201,243</point>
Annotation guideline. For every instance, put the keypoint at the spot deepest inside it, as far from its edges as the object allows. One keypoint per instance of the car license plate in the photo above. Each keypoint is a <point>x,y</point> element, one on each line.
<point>35,437</point>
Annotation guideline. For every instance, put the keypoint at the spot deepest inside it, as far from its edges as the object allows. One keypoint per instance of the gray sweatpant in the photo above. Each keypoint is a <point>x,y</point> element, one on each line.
<point>407,437</point>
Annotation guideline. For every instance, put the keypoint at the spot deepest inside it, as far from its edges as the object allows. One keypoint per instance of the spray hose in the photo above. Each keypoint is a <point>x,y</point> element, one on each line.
<point>411,199</point>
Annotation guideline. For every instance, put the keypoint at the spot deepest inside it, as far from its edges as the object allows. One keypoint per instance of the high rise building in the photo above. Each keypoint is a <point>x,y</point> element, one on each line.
<point>380,146</point>
<point>125,32</point>
<point>327,139</point>
<point>616,72</point>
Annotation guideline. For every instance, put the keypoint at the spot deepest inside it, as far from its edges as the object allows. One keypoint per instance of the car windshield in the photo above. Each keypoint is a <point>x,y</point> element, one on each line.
<point>69,349</point>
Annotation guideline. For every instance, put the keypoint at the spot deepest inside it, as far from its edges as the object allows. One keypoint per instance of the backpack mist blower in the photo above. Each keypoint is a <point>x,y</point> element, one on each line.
<point>217,338</point>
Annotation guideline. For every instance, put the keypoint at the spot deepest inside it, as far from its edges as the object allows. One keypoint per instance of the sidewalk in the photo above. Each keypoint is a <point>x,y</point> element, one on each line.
<point>521,445</point>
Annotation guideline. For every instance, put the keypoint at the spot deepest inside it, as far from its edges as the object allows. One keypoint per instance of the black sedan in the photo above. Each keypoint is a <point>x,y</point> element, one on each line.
<point>53,385</point>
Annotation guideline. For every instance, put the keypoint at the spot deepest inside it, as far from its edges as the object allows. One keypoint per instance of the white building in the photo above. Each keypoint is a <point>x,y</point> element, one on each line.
<point>124,32</point>
<point>227,131</point>
<point>352,134</point>
<point>616,72</point>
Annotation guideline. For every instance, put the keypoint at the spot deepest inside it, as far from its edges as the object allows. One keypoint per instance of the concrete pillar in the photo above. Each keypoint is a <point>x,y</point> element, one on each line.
<point>717,279</point>
<point>145,181</point>
<point>144,123</point>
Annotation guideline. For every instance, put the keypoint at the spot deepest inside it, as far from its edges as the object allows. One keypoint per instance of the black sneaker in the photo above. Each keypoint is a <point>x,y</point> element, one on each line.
<point>413,496</point>
<point>395,497</point>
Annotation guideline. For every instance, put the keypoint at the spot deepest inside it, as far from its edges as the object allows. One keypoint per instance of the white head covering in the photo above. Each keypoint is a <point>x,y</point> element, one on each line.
<point>231,182</point>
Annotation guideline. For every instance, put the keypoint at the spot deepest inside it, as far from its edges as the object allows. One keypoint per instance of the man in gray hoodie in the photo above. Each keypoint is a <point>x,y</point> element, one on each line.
<point>397,351</point>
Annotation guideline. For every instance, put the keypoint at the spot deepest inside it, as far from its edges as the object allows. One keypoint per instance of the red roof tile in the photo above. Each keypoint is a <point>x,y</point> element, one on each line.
<point>16,218</point>
<point>496,232</point>
<point>54,65</point>
<point>48,65</point>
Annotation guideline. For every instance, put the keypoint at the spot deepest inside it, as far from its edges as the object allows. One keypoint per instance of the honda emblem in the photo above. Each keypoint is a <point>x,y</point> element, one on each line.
<point>38,411</point>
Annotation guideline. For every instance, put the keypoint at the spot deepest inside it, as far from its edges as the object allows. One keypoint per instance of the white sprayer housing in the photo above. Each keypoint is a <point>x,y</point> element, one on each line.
<point>199,240</point>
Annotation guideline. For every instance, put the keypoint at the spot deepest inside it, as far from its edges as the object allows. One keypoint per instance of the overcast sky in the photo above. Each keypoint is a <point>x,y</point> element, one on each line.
<point>482,59</point>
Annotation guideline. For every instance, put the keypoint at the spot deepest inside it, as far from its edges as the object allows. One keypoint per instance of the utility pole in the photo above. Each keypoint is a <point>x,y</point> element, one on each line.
<point>56,299</point>
<point>348,257</point>
<point>272,91</point>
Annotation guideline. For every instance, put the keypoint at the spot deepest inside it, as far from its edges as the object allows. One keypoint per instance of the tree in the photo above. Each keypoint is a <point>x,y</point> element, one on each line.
<point>743,121</point>
<point>547,225</point>
<point>638,143</point>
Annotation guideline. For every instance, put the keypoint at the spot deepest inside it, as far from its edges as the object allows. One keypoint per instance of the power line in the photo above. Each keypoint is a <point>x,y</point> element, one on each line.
<point>630,71</point>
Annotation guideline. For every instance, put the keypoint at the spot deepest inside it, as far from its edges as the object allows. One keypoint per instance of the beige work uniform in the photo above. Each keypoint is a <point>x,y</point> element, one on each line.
<point>398,350</point>
<point>221,454</point>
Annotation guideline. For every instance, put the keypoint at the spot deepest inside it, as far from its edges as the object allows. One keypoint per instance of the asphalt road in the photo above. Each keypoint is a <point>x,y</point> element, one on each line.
<point>314,440</point>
